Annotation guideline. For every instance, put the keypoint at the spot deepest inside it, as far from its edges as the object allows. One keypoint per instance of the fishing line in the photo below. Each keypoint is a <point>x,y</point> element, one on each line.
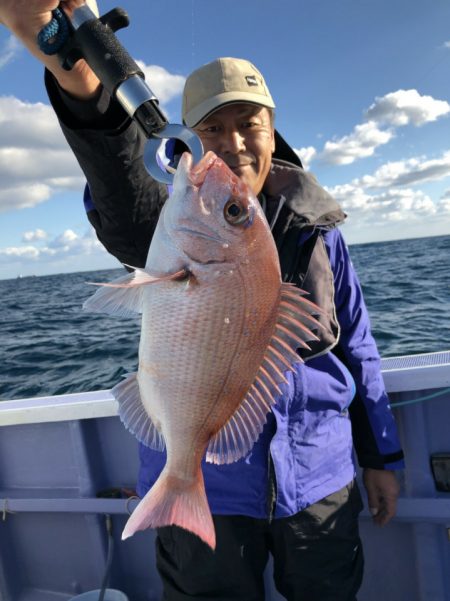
<point>420,399</point>
<point>426,74</point>
<point>193,34</point>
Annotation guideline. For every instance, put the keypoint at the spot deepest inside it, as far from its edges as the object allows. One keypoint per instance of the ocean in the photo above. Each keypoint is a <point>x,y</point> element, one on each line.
<point>50,346</point>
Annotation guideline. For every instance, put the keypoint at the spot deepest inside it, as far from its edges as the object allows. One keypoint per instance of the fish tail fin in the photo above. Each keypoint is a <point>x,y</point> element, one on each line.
<point>172,501</point>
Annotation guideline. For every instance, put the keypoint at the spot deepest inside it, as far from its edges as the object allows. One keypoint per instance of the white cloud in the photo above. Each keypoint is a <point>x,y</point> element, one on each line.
<point>444,202</point>
<point>361,143</point>
<point>401,205</point>
<point>444,205</point>
<point>67,252</point>
<point>29,125</point>
<point>387,113</point>
<point>65,240</point>
<point>66,245</point>
<point>67,183</point>
<point>165,85</point>
<point>35,235</point>
<point>25,164</point>
<point>23,196</point>
<point>35,160</point>
<point>447,44</point>
<point>306,155</point>
<point>404,205</point>
<point>351,197</point>
<point>9,50</point>
<point>407,173</point>
<point>406,106</point>
<point>20,252</point>
<point>403,173</point>
<point>387,195</point>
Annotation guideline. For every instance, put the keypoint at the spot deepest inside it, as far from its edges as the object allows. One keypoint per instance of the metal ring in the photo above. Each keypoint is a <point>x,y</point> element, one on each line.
<point>172,130</point>
<point>6,510</point>
<point>128,503</point>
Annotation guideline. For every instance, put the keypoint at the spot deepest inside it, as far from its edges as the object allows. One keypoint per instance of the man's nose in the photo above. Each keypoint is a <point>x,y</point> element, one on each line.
<point>233,141</point>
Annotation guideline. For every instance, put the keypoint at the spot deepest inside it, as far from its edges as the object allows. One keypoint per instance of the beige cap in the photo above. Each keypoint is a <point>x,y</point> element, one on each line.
<point>223,81</point>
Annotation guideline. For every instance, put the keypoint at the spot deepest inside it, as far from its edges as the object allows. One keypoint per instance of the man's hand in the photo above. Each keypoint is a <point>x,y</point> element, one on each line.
<point>382,493</point>
<point>25,18</point>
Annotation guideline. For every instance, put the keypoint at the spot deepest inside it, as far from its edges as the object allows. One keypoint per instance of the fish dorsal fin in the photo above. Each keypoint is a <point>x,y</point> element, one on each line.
<point>292,331</point>
<point>133,414</point>
<point>123,296</point>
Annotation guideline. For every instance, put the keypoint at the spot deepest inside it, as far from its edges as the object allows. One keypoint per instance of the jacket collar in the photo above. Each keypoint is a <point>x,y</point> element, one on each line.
<point>303,195</point>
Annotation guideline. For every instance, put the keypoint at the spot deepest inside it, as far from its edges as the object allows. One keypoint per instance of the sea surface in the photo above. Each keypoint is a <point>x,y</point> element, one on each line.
<point>50,346</point>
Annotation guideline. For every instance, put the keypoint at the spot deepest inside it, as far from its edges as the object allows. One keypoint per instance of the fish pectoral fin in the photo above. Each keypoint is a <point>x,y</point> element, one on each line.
<point>133,414</point>
<point>293,330</point>
<point>123,296</point>
<point>141,277</point>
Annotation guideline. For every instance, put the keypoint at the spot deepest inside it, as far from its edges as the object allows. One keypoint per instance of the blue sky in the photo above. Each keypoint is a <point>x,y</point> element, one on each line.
<point>362,94</point>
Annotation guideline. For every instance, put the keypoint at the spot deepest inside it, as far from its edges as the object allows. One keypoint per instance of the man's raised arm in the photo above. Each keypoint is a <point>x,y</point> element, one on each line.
<point>25,18</point>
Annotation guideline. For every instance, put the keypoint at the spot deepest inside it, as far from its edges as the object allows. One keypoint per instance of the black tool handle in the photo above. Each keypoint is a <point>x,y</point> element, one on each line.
<point>94,40</point>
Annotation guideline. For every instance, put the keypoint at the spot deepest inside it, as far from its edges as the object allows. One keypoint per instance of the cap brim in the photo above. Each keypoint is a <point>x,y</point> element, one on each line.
<point>203,110</point>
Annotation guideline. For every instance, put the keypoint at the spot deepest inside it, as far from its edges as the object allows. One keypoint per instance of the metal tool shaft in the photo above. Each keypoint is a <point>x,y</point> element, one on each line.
<point>94,40</point>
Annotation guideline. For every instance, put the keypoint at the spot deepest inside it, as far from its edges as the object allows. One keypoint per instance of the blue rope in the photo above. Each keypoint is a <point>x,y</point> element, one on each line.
<point>420,399</point>
<point>53,36</point>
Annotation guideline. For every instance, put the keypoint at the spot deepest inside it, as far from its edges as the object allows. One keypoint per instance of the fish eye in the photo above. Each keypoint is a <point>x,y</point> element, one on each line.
<point>234,212</point>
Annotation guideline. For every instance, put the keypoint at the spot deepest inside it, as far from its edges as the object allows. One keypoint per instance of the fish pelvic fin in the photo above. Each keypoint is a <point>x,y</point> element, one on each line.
<point>172,501</point>
<point>123,296</point>
<point>293,329</point>
<point>133,414</point>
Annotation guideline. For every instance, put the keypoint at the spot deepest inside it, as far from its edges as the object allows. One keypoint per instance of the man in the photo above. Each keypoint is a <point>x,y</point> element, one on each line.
<point>294,495</point>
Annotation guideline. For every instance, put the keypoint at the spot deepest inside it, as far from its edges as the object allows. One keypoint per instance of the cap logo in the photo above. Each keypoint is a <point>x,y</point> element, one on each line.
<point>251,80</point>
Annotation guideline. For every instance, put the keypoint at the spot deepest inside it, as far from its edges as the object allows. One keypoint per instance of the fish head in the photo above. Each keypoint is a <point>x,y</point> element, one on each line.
<point>212,215</point>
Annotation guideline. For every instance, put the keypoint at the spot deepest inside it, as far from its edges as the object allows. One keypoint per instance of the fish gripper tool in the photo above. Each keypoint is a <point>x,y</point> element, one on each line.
<point>93,38</point>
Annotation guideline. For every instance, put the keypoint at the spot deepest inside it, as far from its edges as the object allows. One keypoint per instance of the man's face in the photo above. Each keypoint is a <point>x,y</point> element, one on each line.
<point>241,135</point>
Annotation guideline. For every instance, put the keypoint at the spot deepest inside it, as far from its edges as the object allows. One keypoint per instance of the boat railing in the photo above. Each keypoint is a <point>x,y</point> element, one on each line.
<point>67,460</point>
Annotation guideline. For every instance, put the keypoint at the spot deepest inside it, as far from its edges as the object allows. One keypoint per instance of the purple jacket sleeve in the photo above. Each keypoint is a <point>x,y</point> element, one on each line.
<point>374,430</point>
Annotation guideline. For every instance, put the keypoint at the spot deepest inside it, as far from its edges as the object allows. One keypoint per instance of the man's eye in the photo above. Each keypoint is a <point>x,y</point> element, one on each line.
<point>212,129</point>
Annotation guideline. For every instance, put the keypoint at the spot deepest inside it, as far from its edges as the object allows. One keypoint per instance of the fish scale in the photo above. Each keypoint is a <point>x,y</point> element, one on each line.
<point>198,346</point>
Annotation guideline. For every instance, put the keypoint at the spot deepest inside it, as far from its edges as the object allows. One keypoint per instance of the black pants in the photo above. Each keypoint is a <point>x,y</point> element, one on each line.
<point>317,555</point>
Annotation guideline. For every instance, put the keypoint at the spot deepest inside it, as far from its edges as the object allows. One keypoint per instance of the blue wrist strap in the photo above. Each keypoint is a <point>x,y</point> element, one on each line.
<point>57,31</point>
